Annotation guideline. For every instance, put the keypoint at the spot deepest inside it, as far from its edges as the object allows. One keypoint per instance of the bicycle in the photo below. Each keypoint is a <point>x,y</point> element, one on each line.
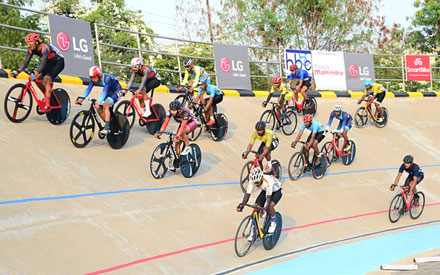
<point>250,230</point>
<point>296,164</point>
<point>309,106</point>
<point>332,153</point>
<point>217,131</point>
<point>187,98</point>
<point>165,155</point>
<point>82,128</point>
<point>153,122</point>
<point>400,204</point>
<point>363,113</point>
<point>19,97</point>
<point>272,119</point>
<point>250,165</point>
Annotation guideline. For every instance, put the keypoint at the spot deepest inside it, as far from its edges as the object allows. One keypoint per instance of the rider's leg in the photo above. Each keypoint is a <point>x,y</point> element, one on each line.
<point>345,135</point>
<point>379,109</point>
<point>47,82</point>
<point>177,146</point>
<point>275,198</point>
<point>107,104</point>
<point>304,92</point>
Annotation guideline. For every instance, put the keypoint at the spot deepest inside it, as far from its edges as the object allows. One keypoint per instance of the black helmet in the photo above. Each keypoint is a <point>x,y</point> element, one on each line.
<point>175,105</point>
<point>261,125</point>
<point>408,159</point>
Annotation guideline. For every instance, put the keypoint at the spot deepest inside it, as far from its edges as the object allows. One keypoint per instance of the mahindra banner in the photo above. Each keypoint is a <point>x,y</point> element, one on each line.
<point>358,68</point>
<point>329,70</point>
<point>302,59</point>
<point>232,67</point>
<point>74,39</point>
<point>418,68</point>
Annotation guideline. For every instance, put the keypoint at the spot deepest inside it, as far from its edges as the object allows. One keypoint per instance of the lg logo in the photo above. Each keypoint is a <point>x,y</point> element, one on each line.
<point>355,71</point>
<point>226,65</point>
<point>64,43</point>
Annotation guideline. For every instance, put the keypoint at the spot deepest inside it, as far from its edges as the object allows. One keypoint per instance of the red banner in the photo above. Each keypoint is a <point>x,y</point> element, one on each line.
<point>418,68</point>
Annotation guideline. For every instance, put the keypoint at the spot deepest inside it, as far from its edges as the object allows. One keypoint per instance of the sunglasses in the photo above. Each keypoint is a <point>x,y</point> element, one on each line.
<point>29,43</point>
<point>187,66</point>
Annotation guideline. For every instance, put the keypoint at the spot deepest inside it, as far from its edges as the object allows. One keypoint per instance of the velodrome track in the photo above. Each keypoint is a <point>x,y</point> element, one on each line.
<point>65,210</point>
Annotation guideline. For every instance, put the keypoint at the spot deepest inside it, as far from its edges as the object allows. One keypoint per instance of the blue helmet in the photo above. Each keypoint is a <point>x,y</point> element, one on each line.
<point>203,80</point>
<point>367,83</point>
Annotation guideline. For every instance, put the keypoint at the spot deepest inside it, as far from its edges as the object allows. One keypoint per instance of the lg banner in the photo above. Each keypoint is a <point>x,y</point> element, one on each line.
<point>358,68</point>
<point>74,39</point>
<point>232,67</point>
<point>418,68</point>
<point>329,70</point>
<point>302,59</point>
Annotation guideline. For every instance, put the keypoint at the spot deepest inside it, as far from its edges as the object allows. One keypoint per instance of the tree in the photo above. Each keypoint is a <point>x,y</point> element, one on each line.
<point>424,34</point>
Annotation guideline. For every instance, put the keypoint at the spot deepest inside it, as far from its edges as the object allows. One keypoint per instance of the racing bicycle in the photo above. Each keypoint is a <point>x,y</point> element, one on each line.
<point>297,164</point>
<point>363,114</point>
<point>402,203</point>
<point>332,152</point>
<point>287,123</point>
<point>217,131</point>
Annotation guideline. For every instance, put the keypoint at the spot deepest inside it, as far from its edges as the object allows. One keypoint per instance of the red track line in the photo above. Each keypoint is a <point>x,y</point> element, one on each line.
<point>230,240</point>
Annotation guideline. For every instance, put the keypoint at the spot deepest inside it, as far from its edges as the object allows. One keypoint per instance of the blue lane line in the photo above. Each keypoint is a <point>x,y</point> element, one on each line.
<point>179,187</point>
<point>362,256</point>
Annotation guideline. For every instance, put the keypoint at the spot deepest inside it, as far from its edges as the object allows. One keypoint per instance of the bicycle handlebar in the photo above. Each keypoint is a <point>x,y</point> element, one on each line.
<point>251,151</point>
<point>253,206</point>
<point>89,98</point>
<point>303,142</point>
<point>166,133</point>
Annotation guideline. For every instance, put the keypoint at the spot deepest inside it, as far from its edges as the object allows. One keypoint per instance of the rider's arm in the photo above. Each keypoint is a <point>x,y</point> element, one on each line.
<point>185,79</point>
<point>330,119</point>
<point>312,139</point>
<point>253,138</point>
<point>130,82</point>
<point>396,181</point>
<point>196,79</point>
<point>269,96</point>
<point>44,58</point>
<point>165,123</point>
<point>107,83</point>
<point>26,61</point>
<point>301,131</point>
<point>246,198</point>
<point>88,90</point>
<point>144,78</point>
<point>211,92</point>
<point>343,123</point>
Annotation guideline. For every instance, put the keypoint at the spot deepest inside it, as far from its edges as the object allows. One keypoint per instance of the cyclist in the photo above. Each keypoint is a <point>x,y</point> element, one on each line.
<point>150,80</point>
<point>315,137</point>
<point>111,93</point>
<point>270,195</point>
<point>345,124</point>
<point>269,142</point>
<point>196,71</point>
<point>378,93</point>
<point>305,81</point>
<point>52,63</point>
<point>188,123</point>
<point>215,97</point>
<point>415,176</point>
<point>285,94</point>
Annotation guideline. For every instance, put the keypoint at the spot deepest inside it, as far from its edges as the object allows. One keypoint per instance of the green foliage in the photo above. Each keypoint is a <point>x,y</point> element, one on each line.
<point>425,32</point>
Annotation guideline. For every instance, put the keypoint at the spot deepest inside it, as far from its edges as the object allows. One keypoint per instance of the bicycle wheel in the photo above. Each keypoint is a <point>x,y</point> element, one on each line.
<point>329,152</point>
<point>276,169</point>
<point>160,160</point>
<point>395,206</point>
<point>289,122</point>
<point>361,117</point>
<point>269,118</point>
<point>59,115</point>
<point>196,156</point>
<point>310,106</point>
<point>244,176</point>
<point>194,135</point>
<point>182,100</point>
<point>348,157</point>
<point>270,240</point>
<point>385,118</point>
<point>417,208</point>
<point>296,166</point>
<point>220,127</point>
<point>17,106</point>
<point>154,126</point>
<point>123,108</point>
<point>82,129</point>
<point>187,165</point>
<point>318,171</point>
<point>119,131</point>
<point>244,231</point>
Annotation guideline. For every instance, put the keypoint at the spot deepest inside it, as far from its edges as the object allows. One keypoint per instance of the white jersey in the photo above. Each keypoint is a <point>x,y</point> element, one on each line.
<point>270,184</point>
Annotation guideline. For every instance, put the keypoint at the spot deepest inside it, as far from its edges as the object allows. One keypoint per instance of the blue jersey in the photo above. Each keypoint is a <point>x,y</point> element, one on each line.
<point>315,127</point>
<point>414,170</point>
<point>345,119</point>
<point>111,85</point>
<point>300,74</point>
<point>211,90</point>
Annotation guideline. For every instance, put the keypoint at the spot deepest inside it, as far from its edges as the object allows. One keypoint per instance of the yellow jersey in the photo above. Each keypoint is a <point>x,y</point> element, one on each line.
<point>267,138</point>
<point>376,88</point>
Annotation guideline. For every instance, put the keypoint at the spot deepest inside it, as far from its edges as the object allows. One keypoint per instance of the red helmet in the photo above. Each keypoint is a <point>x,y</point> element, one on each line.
<point>32,37</point>
<point>308,118</point>
<point>277,79</point>
<point>293,67</point>
<point>95,71</point>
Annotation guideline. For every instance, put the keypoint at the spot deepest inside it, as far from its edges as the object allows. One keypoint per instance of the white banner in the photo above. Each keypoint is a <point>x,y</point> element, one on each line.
<point>329,70</point>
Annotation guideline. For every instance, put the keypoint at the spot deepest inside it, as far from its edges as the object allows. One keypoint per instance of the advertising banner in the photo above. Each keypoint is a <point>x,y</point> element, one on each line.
<point>232,67</point>
<point>74,40</point>
<point>418,68</point>
<point>329,70</point>
<point>358,68</point>
<point>302,59</point>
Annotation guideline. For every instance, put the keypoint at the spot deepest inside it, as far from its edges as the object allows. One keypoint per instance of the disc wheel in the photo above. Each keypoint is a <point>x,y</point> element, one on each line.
<point>269,118</point>
<point>417,207</point>
<point>395,206</point>
<point>119,131</point>
<point>244,231</point>
<point>296,166</point>
<point>124,108</point>
<point>385,118</point>
<point>18,105</point>
<point>154,126</point>
<point>310,106</point>
<point>289,122</point>
<point>196,156</point>
<point>220,127</point>
<point>348,157</point>
<point>270,240</point>
<point>319,170</point>
<point>82,129</point>
<point>58,115</point>
<point>361,117</point>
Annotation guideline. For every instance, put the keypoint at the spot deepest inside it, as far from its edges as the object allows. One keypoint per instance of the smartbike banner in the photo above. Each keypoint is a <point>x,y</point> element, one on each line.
<point>358,68</point>
<point>417,67</point>
<point>74,40</point>
<point>302,59</point>
<point>329,70</point>
<point>232,67</point>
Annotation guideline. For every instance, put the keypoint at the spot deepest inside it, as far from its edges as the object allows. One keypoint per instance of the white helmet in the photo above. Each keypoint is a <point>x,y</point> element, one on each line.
<point>338,107</point>
<point>136,61</point>
<point>256,175</point>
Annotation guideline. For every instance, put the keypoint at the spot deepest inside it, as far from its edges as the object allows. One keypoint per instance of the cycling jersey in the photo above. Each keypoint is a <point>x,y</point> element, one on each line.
<point>111,87</point>
<point>211,91</point>
<point>376,88</point>
<point>345,120</point>
<point>267,138</point>
<point>282,89</point>
<point>186,114</point>
<point>315,127</point>
<point>147,73</point>
<point>270,184</point>
<point>301,75</point>
<point>197,72</point>
<point>414,170</point>
<point>49,55</point>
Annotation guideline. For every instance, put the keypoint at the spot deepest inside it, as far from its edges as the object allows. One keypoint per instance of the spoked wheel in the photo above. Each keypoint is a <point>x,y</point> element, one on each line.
<point>244,176</point>
<point>329,152</point>
<point>417,206</point>
<point>244,238</point>
<point>161,159</point>
<point>310,106</point>
<point>270,240</point>
<point>296,166</point>
<point>395,206</point>
<point>361,117</point>
<point>348,157</point>
<point>59,115</point>
<point>124,108</point>
<point>318,171</point>
<point>18,104</point>
<point>289,122</point>
<point>385,118</point>
<point>220,127</point>
<point>154,126</point>
<point>119,131</point>
<point>82,129</point>
<point>269,118</point>
<point>182,100</point>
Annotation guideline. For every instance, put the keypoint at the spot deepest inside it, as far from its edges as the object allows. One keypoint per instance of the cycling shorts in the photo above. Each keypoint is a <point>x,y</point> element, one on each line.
<point>409,179</point>
<point>379,97</point>
<point>151,84</point>
<point>306,83</point>
<point>53,68</point>
<point>272,147</point>
<point>275,197</point>
<point>191,126</point>
<point>112,98</point>
<point>319,136</point>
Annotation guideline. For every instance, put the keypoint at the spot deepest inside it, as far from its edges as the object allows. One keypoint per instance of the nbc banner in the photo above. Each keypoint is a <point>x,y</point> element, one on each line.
<point>329,70</point>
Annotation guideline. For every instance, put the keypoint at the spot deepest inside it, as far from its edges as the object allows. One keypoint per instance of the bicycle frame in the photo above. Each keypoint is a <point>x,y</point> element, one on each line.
<point>257,164</point>
<point>31,88</point>
<point>293,101</point>
<point>339,152</point>
<point>256,219</point>
<point>404,190</point>
<point>373,117</point>
<point>137,109</point>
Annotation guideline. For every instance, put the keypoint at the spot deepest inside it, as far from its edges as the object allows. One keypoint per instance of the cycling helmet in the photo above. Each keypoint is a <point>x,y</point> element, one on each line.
<point>408,159</point>
<point>95,71</point>
<point>293,67</point>
<point>203,80</point>
<point>32,37</point>
<point>175,105</point>
<point>261,125</point>
<point>136,62</point>
<point>277,79</point>
<point>367,83</point>
<point>338,108</point>
<point>256,175</point>
<point>308,118</point>
<point>187,62</point>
